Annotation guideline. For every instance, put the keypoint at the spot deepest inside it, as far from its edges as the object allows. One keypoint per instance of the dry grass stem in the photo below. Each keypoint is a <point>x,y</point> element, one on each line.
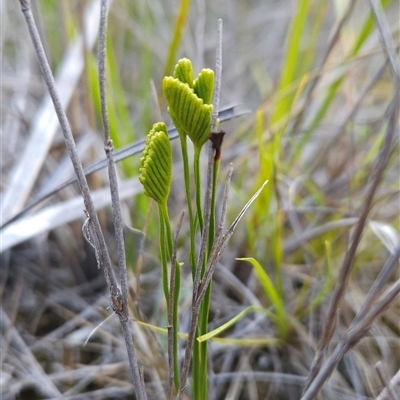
<point>394,382</point>
<point>375,179</point>
<point>45,124</point>
<point>383,377</point>
<point>120,303</point>
<point>351,338</point>
<point>321,81</point>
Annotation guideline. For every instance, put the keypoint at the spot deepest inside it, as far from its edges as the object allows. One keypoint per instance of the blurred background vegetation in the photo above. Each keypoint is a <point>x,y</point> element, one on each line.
<point>314,77</point>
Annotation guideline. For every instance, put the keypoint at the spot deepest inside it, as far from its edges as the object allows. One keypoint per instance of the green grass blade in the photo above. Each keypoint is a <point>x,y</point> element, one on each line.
<point>271,293</point>
<point>332,91</point>
<point>176,38</point>
<point>326,287</point>
<point>116,91</point>
<point>233,321</point>
<point>291,65</point>
<point>115,125</point>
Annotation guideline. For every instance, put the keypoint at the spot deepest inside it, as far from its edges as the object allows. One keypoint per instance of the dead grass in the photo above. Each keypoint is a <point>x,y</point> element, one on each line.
<point>53,295</point>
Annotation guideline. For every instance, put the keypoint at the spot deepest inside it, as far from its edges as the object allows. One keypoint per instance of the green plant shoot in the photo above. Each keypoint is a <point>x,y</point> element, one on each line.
<point>155,176</point>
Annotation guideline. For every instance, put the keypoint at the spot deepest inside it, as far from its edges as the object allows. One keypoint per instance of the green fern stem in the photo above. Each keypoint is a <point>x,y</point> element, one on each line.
<point>205,308</point>
<point>197,181</point>
<point>200,349</point>
<point>211,233</point>
<point>163,251</point>
<point>192,225</point>
<point>166,244</point>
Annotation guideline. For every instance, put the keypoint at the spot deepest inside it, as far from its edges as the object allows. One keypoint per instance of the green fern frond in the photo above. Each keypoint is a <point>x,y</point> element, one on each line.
<point>155,173</point>
<point>189,101</point>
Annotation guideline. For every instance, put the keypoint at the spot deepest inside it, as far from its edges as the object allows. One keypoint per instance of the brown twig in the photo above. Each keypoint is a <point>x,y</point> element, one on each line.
<point>93,222</point>
<point>379,283</point>
<point>375,179</point>
<point>120,305</point>
<point>352,337</point>
<point>70,144</point>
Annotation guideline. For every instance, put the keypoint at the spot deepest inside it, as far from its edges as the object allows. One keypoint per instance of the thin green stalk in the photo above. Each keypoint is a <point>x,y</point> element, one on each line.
<point>176,326</point>
<point>205,308</point>
<point>163,250</point>
<point>166,243</point>
<point>202,382</point>
<point>200,359</point>
<point>211,233</point>
<point>196,365</point>
<point>186,174</point>
<point>200,355</point>
<point>176,39</point>
<point>197,181</point>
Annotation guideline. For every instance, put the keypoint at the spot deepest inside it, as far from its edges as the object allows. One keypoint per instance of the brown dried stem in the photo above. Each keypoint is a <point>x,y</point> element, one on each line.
<point>123,312</point>
<point>101,251</point>
<point>352,337</point>
<point>376,175</point>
